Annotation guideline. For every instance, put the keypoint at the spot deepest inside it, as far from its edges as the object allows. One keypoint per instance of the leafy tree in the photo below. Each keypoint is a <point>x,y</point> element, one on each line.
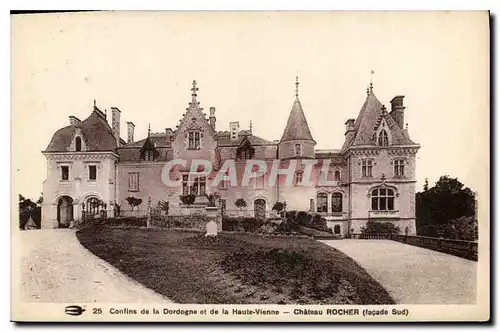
<point>240,203</point>
<point>187,199</point>
<point>27,209</point>
<point>279,207</point>
<point>133,202</point>
<point>376,227</point>
<point>438,206</point>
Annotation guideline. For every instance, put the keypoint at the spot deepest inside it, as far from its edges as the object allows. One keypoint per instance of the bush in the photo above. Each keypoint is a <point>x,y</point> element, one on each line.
<point>375,227</point>
<point>241,224</point>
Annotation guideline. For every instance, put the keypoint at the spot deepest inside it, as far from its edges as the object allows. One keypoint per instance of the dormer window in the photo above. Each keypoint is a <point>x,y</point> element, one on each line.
<point>298,149</point>
<point>383,139</point>
<point>194,140</point>
<point>78,143</point>
<point>148,156</point>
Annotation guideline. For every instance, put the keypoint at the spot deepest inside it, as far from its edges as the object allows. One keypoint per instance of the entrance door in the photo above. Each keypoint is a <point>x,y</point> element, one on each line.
<point>336,229</point>
<point>259,206</point>
<point>64,211</point>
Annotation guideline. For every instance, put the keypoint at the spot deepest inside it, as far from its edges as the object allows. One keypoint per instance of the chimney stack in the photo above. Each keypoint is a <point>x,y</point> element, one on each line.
<point>130,132</point>
<point>115,124</point>
<point>234,128</point>
<point>212,117</point>
<point>397,110</point>
<point>168,134</point>
<point>73,120</point>
<point>349,126</point>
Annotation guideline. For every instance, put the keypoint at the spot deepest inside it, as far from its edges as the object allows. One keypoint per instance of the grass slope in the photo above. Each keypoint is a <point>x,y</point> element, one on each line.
<point>235,268</point>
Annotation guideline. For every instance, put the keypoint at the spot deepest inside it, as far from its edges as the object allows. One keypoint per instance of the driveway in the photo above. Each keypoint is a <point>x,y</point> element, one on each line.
<point>414,275</point>
<point>56,268</point>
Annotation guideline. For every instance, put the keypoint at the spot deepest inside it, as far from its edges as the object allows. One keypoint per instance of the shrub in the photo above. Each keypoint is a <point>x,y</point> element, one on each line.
<point>376,227</point>
<point>241,224</point>
<point>187,199</point>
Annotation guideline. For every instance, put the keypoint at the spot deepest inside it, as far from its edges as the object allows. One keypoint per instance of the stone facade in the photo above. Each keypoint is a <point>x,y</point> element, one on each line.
<point>371,177</point>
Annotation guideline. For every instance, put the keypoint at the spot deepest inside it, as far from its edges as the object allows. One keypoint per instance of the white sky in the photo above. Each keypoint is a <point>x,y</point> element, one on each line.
<point>245,65</point>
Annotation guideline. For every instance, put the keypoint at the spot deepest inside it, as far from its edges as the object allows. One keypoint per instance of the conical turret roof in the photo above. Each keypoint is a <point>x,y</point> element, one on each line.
<point>297,127</point>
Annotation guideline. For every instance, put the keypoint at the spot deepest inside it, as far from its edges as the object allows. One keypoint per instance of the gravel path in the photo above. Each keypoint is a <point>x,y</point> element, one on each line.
<point>414,275</point>
<point>56,268</point>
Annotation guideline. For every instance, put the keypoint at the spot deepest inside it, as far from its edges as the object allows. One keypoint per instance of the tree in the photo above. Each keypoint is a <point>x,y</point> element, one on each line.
<point>27,209</point>
<point>376,227</point>
<point>279,207</point>
<point>240,203</point>
<point>438,206</point>
<point>133,202</point>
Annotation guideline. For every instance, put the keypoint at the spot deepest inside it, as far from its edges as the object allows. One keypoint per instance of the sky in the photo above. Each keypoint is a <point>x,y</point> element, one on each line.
<point>245,64</point>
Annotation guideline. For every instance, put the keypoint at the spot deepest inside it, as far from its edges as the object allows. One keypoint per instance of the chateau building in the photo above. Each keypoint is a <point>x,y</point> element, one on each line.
<point>371,177</point>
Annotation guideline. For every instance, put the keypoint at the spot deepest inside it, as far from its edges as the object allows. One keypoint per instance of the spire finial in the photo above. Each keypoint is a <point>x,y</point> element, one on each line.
<point>95,104</point>
<point>367,90</point>
<point>149,129</point>
<point>371,80</point>
<point>194,89</point>
<point>297,86</point>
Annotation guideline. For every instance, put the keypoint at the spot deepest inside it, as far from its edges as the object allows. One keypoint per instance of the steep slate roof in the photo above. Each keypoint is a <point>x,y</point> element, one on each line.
<point>367,122</point>
<point>95,129</point>
<point>297,127</point>
<point>160,141</point>
<point>224,139</point>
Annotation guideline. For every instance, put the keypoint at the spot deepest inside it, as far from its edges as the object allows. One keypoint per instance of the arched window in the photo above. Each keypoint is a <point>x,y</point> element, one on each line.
<point>78,143</point>
<point>93,206</point>
<point>337,176</point>
<point>382,199</point>
<point>298,149</point>
<point>336,202</point>
<point>322,202</point>
<point>383,139</point>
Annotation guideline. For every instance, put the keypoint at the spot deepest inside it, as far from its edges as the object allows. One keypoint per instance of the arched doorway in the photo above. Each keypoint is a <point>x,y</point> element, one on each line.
<point>64,211</point>
<point>336,229</point>
<point>259,206</point>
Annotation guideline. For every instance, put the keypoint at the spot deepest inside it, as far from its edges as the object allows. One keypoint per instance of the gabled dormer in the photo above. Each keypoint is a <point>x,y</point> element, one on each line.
<point>194,136</point>
<point>245,150</point>
<point>374,126</point>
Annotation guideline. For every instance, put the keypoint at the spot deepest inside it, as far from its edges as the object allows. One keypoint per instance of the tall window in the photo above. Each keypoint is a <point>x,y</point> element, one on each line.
<point>133,181</point>
<point>382,199</point>
<point>197,187</point>
<point>383,139</point>
<point>399,168</point>
<point>92,172</point>
<point>322,202</point>
<point>149,156</point>
<point>366,167</point>
<point>298,149</point>
<point>78,143</point>
<point>336,202</point>
<point>65,173</point>
<point>337,176</point>
<point>298,177</point>
<point>194,140</point>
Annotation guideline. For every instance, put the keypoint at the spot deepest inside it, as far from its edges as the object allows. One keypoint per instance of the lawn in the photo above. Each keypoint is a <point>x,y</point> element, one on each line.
<point>234,268</point>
